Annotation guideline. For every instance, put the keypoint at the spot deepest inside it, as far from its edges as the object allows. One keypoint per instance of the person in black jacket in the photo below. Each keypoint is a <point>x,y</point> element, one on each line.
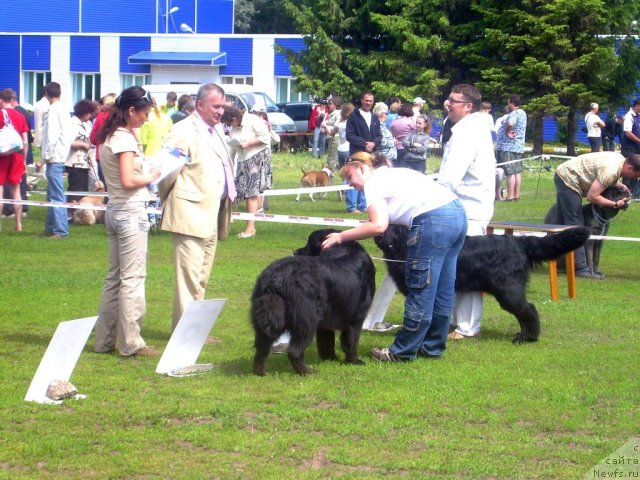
<point>363,128</point>
<point>612,129</point>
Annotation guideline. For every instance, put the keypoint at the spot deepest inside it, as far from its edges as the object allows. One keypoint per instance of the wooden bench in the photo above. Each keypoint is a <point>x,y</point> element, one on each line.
<point>510,227</point>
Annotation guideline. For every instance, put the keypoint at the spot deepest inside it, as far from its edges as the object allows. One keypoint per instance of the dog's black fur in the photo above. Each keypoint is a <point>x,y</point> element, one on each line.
<point>596,219</point>
<point>497,264</point>
<point>313,292</point>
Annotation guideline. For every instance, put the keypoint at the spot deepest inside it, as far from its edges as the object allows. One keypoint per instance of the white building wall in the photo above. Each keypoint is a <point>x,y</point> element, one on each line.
<point>263,65</point>
<point>60,66</point>
<point>110,81</point>
<point>185,43</point>
<point>184,73</point>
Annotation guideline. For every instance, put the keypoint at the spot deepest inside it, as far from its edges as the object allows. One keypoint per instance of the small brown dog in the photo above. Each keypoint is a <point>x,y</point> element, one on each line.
<point>315,178</point>
<point>86,216</point>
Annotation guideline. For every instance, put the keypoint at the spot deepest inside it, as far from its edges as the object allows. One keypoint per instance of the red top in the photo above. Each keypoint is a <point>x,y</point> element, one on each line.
<point>98,122</point>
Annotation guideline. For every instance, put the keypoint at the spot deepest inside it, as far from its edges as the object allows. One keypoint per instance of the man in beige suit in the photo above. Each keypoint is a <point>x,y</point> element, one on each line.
<point>192,196</point>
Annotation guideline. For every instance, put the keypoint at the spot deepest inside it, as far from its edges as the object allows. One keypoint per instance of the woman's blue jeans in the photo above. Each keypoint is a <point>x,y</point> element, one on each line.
<point>434,242</point>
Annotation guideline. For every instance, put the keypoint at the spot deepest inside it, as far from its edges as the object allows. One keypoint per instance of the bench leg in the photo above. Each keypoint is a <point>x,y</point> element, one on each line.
<point>570,260</point>
<point>553,279</point>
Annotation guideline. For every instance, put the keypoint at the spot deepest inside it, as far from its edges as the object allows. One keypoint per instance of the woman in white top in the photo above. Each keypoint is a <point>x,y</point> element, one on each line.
<point>251,141</point>
<point>122,306</point>
<point>438,225</point>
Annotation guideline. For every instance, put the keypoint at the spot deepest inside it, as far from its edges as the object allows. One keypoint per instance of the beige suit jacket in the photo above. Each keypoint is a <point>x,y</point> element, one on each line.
<point>191,196</point>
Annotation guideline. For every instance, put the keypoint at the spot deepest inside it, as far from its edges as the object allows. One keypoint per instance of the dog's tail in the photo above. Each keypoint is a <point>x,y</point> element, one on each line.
<point>268,314</point>
<point>303,172</point>
<point>539,249</point>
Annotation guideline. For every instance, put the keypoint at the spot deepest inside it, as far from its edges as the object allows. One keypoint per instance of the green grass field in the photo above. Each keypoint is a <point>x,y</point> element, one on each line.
<point>487,410</point>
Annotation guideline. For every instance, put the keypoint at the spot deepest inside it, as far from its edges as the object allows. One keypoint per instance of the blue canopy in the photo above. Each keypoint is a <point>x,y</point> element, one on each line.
<point>214,59</point>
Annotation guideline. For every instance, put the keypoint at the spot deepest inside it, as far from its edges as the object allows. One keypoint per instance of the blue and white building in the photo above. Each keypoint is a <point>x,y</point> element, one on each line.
<point>93,47</point>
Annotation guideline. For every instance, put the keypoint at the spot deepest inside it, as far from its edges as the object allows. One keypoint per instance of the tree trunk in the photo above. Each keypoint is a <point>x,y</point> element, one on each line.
<point>571,131</point>
<point>538,138</point>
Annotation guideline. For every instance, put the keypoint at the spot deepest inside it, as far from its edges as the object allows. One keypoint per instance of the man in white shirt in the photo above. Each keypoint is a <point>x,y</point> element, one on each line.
<point>39,113</point>
<point>594,124</point>
<point>55,149</point>
<point>468,170</point>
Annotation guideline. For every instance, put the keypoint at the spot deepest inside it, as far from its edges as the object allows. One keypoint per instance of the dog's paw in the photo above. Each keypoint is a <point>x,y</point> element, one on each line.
<point>305,370</point>
<point>521,339</point>
<point>354,361</point>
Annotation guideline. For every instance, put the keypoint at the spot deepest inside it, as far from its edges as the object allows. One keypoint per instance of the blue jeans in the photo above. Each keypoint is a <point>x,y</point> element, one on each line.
<point>434,242</point>
<point>56,221</point>
<point>355,200</point>
<point>319,142</point>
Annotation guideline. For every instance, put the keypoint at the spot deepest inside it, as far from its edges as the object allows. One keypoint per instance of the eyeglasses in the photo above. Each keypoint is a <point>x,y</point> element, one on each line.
<point>453,100</point>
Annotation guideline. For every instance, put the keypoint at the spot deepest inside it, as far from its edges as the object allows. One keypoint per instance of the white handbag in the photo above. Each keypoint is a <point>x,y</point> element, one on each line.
<point>10,139</point>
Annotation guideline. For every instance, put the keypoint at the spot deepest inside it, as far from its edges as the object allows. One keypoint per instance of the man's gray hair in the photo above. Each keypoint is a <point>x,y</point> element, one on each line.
<point>205,90</point>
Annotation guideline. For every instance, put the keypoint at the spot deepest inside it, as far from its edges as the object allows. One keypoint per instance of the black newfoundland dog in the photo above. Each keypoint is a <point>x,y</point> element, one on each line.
<point>596,219</point>
<point>314,292</point>
<point>497,264</point>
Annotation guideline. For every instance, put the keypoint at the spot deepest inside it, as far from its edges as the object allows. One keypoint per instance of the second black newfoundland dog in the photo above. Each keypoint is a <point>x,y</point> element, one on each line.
<point>314,292</point>
<point>497,264</point>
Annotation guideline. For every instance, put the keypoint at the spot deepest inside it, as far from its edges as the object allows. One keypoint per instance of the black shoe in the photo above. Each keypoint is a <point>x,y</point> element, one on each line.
<point>588,274</point>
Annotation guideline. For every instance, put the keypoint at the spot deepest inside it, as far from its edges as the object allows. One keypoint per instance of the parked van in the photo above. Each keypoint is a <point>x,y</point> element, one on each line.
<point>238,95</point>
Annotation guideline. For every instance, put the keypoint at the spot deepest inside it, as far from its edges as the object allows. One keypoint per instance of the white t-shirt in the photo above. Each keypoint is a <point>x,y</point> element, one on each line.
<point>367,117</point>
<point>408,193</point>
<point>343,146</point>
<point>591,121</point>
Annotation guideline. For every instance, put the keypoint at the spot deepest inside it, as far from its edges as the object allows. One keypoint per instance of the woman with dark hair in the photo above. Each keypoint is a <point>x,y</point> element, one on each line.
<point>80,158</point>
<point>400,128</point>
<point>251,141</point>
<point>122,306</point>
<point>437,223</point>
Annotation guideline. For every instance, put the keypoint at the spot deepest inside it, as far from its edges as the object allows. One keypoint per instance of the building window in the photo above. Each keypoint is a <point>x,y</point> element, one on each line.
<point>135,80</point>
<point>287,91</point>
<point>85,86</point>
<point>227,80</point>
<point>33,85</point>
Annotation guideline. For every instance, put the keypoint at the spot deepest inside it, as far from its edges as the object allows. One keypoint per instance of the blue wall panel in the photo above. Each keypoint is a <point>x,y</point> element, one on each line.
<point>129,46</point>
<point>36,53</point>
<point>215,16</point>
<point>281,66</point>
<point>85,54</point>
<point>185,14</point>
<point>10,61</point>
<point>40,15</point>
<point>119,16</point>
<point>239,56</point>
